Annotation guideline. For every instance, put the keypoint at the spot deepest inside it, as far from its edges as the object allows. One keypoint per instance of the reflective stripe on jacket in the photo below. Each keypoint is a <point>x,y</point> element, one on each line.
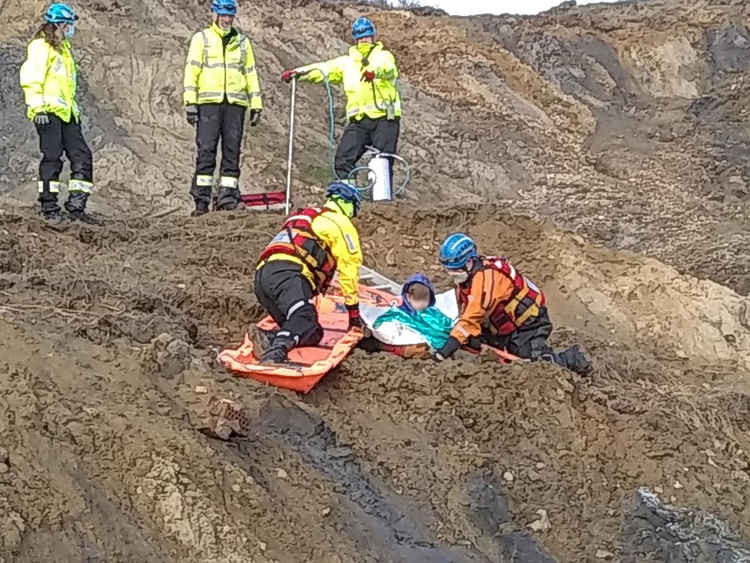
<point>48,79</point>
<point>496,297</point>
<point>213,72</point>
<point>363,99</point>
<point>333,233</point>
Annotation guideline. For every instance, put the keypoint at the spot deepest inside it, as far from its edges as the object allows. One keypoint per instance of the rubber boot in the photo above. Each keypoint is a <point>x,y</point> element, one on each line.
<point>76,207</point>
<point>202,198</point>
<point>278,350</point>
<point>229,199</point>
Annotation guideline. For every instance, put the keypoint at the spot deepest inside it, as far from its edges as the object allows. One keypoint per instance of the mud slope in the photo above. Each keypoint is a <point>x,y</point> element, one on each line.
<point>624,122</point>
<point>607,146</point>
<point>109,331</point>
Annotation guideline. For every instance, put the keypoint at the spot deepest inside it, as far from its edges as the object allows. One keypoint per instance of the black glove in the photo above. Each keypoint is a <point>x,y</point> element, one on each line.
<point>254,117</point>
<point>191,113</point>
<point>370,345</point>
<point>41,119</point>
<point>450,348</point>
<point>355,321</point>
<point>474,345</point>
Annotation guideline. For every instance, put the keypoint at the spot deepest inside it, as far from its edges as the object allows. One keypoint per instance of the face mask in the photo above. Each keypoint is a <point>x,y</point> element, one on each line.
<point>70,31</point>
<point>459,276</point>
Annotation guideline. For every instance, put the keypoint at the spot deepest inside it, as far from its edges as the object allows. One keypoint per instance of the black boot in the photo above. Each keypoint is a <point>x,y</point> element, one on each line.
<point>229,199</point>
<point>202,198</point>
<point>201,208</point>
<point>279,348</point>
<point>52,214</point>
<point>76,207</point>
<point>262,340</point>
<point>574,360</point>
<point>50,208</point>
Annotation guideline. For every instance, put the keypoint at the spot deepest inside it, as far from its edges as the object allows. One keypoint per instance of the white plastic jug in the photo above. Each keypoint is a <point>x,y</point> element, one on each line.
<point>381,168</point>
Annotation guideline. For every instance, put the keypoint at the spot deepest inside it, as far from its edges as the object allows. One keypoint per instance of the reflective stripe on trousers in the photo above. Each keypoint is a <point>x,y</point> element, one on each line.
<point>229,182</point>
<point>80,186</point>
<point>54,187</point>
<point>204,180</point>
<point>297,306</point>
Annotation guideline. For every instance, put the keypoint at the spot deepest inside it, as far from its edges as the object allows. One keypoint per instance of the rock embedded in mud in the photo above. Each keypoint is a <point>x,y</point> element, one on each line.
<point>167,356</point>
<point>670,533</point>
<point>543,524</point>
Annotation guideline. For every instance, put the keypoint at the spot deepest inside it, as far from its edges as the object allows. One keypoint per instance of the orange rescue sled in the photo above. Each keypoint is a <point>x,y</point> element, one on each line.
<point>307,365</point>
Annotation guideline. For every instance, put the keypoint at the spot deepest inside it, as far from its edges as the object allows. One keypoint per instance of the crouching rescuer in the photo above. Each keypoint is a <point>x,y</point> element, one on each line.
<point>221,83</point>
<point>500,307</point>
<point>299,263</point>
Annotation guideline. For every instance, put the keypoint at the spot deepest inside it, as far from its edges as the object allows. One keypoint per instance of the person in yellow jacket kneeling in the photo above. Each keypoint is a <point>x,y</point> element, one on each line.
<point>221,83</point>
<point>48,78</point>
<point>369,75</point>
<point>299,263</point>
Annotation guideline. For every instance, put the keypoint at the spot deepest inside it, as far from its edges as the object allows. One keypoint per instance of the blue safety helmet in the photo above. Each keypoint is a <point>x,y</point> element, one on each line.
<point>347,193</point>
<point>362,28</point>
<point>224,7</point>
<point>60,13</point>
<point>456,251</point>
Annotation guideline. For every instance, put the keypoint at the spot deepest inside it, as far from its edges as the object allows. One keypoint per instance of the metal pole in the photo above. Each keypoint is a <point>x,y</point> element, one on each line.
<point>291,146</point>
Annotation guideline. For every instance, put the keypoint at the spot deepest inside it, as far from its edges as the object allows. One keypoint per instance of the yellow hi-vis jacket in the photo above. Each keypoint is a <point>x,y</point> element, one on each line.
<point>213,73</point>
<point>339,234</point>
<point>362,100</point>
<point>48,79</point>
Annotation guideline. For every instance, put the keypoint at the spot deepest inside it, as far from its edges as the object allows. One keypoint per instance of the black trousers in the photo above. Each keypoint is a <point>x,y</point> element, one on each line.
<point>286,294</point>
<point>529,341</point>
<point>379,133</point>
<point>56,137</point>
<point>223,121</point>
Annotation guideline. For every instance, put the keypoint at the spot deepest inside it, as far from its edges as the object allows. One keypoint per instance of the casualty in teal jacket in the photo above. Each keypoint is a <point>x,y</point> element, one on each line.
<point>430,323</point>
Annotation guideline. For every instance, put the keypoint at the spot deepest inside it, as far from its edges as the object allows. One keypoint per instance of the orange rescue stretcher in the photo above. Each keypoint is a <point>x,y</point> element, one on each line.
<point>308,365</point>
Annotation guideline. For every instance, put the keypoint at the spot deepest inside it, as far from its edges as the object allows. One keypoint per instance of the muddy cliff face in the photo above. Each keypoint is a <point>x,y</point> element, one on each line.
<point>603,149</point>
<point>624,123</point>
